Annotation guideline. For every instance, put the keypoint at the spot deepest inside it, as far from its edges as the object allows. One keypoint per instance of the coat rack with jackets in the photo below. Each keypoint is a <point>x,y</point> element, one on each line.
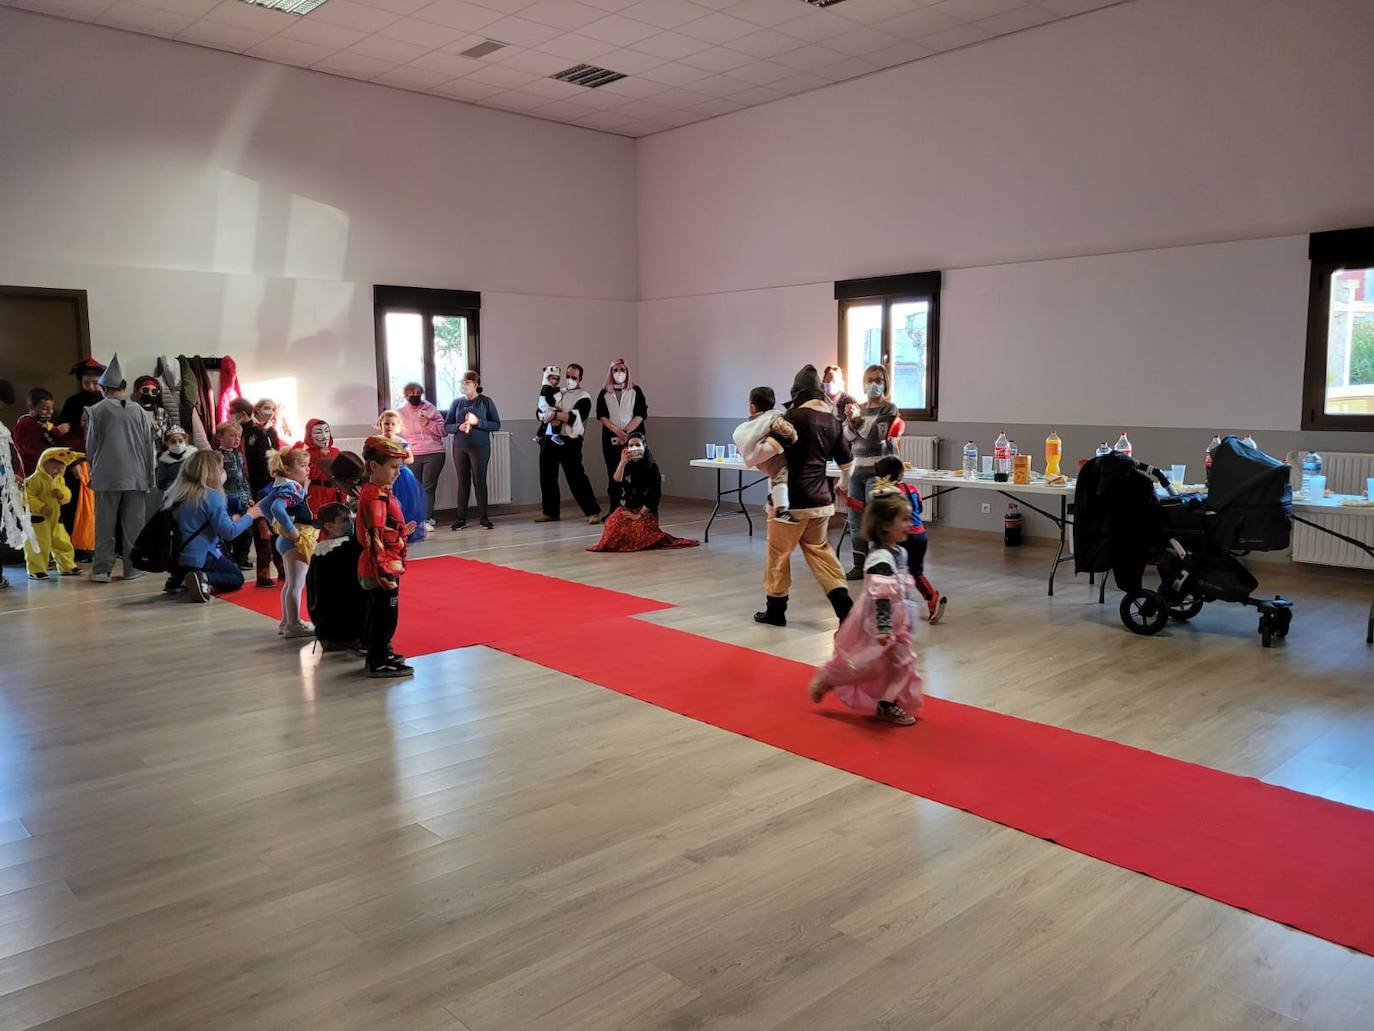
<point>197,392</point>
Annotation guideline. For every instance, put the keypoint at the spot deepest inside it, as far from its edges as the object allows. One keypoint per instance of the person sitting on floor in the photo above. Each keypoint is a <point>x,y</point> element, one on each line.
<point>203,520</point>
<point>634,525</point>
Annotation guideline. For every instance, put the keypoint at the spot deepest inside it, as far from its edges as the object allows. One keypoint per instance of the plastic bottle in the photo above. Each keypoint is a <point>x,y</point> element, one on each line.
<point>1054,448</point>
<point>1249,441</point>
<point>1001,457</point>
<point>970,460</point>
<point>1012,526</point>
<point>1103,449</point>
<point>1014,452</point>
<point>1123,444</point>
<point>1207,458</point>
<point>1311,466</point>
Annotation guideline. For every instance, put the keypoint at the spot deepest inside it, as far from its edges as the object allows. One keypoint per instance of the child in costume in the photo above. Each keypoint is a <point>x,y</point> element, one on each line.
<point>761,441</point>
<point>176,446</point>
<point>228,442</point>
<point>889,471</point>
<point>15,527</point>
<point>332,591</point>
<point>319,442</point>
<point>550,393</point>
<point>382,532</point>
<point>874,667</point>
<point>284,506</point>
<point>35,431</point>
<point>406,489</point>
<point>259,440</point>
<point>47,492</point>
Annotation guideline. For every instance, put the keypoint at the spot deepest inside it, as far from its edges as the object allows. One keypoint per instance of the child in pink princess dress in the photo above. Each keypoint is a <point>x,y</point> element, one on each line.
<point>874,667</point>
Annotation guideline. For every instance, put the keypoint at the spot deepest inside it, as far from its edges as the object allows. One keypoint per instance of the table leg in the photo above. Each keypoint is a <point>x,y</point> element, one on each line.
<point>1369,627</point>
<point>1063,521</point>
<point>714,510</point>
<point>742,506</point>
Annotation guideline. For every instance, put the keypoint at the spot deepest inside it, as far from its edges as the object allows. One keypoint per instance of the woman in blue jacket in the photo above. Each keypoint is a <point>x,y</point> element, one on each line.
<point>203,519</point>
<point>472,419</point>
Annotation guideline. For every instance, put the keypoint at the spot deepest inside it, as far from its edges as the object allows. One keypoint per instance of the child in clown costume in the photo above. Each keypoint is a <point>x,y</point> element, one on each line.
<point>319,443</point>
<point>47,492</point>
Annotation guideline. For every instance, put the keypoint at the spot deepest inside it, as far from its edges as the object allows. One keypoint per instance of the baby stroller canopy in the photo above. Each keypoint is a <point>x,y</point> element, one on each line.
<point>1252,495</point>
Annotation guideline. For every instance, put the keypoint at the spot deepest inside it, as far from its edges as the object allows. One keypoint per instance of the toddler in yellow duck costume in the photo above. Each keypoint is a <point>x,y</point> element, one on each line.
<point>47,493</point>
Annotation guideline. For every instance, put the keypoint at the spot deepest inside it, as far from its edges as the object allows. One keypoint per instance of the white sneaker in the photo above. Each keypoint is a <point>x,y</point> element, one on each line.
<point>133,574</point>
<point>299,630</point>
<point>101,578</point>
<point>429,524</point>
<point>197,586</point>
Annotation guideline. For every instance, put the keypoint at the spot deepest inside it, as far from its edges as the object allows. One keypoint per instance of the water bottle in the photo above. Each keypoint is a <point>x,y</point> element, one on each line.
<point>970,460</point>
<point>1103,449</point>
<point>1249,441</point>
<point>1014,452</point>
<point>1311,466</point>
<point>1123,444</point>
<point>1001,458</point>
<point>1207,458</point>
<point>1054,447</point>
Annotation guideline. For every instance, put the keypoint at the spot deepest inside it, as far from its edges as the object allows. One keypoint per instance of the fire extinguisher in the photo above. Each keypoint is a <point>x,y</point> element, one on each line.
<point>1012,526</point>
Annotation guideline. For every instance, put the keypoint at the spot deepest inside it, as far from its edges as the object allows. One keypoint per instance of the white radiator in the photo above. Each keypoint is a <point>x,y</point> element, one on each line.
<point>922,453</point>
<point>1346,472</point>
<point>446,495</point>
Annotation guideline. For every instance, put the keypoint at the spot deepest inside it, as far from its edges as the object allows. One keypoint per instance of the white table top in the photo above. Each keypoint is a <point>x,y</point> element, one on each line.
<point>1333,506</point>
<point>934,477</point>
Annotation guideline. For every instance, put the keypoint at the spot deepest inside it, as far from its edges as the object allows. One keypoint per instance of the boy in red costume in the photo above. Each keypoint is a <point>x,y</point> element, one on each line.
<point>319,442</point>
<point>382,533</point>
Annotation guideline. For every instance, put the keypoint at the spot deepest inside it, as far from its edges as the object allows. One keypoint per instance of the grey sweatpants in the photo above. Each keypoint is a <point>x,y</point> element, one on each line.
<point>126,509</point>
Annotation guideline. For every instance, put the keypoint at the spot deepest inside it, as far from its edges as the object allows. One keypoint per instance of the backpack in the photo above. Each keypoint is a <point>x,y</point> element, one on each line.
<point>159,543</point>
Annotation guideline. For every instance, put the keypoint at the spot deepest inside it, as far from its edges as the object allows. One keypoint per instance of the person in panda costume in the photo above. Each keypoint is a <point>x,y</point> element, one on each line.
<point>550,393</point>
<point>560,446</point>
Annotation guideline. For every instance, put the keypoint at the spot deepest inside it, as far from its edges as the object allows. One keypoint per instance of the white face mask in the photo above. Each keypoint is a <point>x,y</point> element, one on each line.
<point>634,453</point>
<point>834,388</point>
<point>264,416</point>
<point>874,390</point>
<point>469,388</point>
<point>570,383</point>
<point>320,435</point>
<point>176,450</point>
<point>619,378</point>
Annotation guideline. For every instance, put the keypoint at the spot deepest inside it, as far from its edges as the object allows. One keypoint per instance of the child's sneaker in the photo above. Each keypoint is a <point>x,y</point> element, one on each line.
<point>38,576</point>
<point>197,586</point>
<point>937,610</point>
<point>71,572</point>
<point>265,581</point>
<point>891,712</point>
<point>390,668</point>
<point>295,630</point>
<point>784,515</point>
<point>819,688</point>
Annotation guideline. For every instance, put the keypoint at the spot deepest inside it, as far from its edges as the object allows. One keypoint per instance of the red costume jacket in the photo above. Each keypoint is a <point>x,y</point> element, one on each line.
<point>380,530</point>
<point>320,491</point>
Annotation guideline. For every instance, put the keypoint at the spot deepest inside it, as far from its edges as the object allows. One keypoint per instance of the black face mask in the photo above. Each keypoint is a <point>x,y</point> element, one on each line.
<point>148,401</point>
<point>415,400</point>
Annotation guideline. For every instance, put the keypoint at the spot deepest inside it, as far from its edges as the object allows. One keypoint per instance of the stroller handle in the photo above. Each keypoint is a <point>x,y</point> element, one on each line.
<point>1159,475</point>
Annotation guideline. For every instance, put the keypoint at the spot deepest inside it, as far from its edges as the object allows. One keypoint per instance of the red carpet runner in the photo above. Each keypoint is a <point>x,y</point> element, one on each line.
<point>1286,856</point>
<point>449,602</point>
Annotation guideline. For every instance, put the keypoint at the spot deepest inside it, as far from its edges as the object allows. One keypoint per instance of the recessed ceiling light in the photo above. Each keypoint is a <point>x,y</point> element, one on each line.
<point>289,6</point>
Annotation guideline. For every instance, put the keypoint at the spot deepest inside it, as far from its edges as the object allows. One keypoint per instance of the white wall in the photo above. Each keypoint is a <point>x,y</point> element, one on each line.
<point>1209,135</point>
<point>211,203</point>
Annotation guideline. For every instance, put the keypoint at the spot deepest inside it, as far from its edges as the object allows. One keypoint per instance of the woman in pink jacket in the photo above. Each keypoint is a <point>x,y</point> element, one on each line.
<point>423,426</point>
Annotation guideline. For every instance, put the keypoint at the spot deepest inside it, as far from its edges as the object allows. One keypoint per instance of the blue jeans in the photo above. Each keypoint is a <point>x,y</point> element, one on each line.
<point>222,574</point>
<point>859,481</point>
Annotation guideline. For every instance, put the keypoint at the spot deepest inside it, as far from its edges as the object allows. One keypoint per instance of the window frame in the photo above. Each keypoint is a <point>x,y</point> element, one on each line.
<point>426,303</point>
<point>887,291</point>
<point>1329,253</point>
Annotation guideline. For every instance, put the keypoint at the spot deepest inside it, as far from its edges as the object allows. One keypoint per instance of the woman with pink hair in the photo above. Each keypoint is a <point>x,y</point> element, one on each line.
<point>622,410</point>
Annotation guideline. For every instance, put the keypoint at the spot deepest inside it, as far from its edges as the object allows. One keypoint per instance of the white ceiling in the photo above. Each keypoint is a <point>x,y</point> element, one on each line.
<point>685,60</point>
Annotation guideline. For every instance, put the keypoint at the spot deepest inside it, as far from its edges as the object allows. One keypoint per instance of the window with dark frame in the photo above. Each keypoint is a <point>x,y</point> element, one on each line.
<point>1338,378</point>
<point>424,336</point>
<point>893,321</point>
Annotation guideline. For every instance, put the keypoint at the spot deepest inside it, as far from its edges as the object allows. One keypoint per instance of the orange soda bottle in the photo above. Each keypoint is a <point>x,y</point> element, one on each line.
<point>1054,447</point>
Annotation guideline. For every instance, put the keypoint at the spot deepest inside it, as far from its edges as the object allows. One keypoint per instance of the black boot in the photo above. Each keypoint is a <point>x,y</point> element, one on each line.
<point>841,602</point>
<point>774,612</point>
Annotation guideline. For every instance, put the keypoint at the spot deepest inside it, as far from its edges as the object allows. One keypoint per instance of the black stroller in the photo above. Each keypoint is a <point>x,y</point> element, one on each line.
<point>1123,525</point>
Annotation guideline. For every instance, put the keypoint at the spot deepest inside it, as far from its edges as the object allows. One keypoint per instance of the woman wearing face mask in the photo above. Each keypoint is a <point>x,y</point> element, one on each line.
<point>634,525</point>
<point>569,421</point>
<point>472,419</point>
<point>424,428</point>
<point>871,432</point>
<point>621,409</point>
<point>841,403</point>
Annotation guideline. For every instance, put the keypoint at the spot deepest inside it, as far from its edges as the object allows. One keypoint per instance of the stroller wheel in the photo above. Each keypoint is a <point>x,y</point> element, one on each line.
<point>1285,619</point>
<point>1185,607</point>
<point>1144,612</point>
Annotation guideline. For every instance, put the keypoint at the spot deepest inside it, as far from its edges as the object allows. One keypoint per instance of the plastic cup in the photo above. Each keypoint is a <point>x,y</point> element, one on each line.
<point>1317,491</point>
<point>1176,475</point>
<point>720,452</point>
<point>710,452</point>
<point>734,452</point>
<point>1369,488</point>
<point>987,465</point>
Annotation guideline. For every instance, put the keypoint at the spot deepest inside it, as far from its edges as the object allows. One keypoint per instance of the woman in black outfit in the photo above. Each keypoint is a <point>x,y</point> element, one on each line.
<point>472,419</point>
<point>621,409</point>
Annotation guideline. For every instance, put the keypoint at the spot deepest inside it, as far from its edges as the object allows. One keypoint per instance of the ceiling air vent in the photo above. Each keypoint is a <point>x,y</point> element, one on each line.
<point>822,3</point>
<point>289,6</point>
<point>587,75</point>
<point>483,49</point>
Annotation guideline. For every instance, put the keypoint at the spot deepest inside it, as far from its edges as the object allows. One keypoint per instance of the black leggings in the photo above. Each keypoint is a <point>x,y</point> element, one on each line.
<point>472,472</point>
<point>379,623</point>
<point>610,451</point>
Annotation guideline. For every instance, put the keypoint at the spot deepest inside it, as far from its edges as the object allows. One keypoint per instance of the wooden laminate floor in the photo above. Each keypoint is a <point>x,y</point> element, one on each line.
<point>203,826</point>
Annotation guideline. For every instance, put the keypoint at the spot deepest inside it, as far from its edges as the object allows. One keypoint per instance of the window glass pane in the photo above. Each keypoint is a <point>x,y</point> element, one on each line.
<point>908,327</point>
<point>863,342</point>
<point>1350,344</point>
<point>450,356</point>
<point>405,353</point>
